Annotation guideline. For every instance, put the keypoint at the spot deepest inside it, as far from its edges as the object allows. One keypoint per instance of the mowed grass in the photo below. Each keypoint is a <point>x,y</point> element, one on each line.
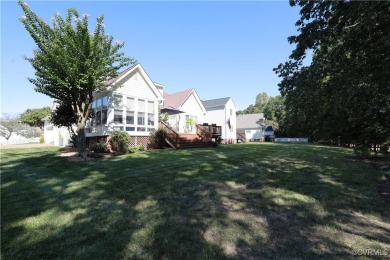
<point>236,201</point>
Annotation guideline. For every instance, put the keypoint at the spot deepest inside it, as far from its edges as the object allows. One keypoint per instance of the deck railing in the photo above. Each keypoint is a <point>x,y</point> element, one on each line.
<point>209,132</point>
<point>172,135</point>
<point>204,134</point>
<point>214,130</point>
<point>241,137</point>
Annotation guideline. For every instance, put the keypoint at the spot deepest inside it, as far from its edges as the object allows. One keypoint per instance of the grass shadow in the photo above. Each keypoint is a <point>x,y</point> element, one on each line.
<point>235,201</point>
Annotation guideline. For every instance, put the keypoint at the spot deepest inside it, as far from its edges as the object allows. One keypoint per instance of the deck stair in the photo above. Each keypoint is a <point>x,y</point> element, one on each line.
<point>191,141</point>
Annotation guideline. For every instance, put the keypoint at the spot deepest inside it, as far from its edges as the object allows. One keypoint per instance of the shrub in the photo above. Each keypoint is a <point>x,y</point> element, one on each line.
<point>120,140</point>
<point>41,140</point>
<point>136,148</point>
<point>157,138</point>
<point>99,147</point>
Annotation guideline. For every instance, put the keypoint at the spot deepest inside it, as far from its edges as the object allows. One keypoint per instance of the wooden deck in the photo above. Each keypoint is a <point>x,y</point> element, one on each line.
<point>206,136</point>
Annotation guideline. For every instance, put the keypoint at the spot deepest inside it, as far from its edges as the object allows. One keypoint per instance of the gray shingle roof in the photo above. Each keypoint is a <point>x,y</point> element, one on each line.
<point>250,121</point>
<point>215,102</point>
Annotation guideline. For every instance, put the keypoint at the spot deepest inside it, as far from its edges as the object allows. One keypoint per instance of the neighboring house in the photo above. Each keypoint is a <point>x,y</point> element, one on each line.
<point>129,103</point>
<point>58,136</point>
<point>181,107</point>
<point>250,127</point>
<point>222,112</point>
<point>54,135</point>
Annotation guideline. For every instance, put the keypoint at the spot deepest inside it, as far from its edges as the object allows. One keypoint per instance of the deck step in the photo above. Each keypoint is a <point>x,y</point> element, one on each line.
<point>191,141</point>
<point>193,145</point>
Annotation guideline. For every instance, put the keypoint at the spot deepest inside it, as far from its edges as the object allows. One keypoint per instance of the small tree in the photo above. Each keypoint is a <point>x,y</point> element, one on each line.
<point>9,125</point>
<point>191,122</point>
<point>71,62</point>
<point>34,117</point>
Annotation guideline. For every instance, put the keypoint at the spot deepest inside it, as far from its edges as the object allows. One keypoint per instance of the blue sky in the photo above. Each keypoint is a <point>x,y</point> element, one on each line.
<point>222,49</point>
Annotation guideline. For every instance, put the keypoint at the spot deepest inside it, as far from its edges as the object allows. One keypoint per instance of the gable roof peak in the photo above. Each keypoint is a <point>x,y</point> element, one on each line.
<point>121,74</point>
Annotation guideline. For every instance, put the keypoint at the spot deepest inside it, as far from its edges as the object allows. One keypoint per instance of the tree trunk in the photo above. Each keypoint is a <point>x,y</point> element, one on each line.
<point>82,138</point>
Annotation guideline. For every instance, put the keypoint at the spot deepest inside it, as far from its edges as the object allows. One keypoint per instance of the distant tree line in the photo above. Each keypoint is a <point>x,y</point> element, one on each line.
<point>343,96</point>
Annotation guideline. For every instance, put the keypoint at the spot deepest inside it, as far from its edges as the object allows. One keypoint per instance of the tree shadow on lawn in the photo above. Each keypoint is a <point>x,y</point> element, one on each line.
<point>208,203</point>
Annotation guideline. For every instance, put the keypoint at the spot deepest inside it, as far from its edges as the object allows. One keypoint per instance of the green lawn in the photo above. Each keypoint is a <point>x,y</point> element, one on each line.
<point>261,200</point>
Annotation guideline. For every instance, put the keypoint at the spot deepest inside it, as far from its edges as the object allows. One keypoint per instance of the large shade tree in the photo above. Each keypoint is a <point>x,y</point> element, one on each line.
<point>35,117</point>
<point>71,62</point>
<point>63,116</point>
<point>343,96</point>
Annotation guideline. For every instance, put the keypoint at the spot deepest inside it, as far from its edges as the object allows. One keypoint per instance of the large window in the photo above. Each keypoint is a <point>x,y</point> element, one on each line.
<point>93,114</point>
<point>129,118</point>
<point>104,110</point>
<point>151,119</point>
<point>118,116</point>
<point>130,104</point>
<point>130,114</point>
<point>141,118</point>
<point>134,114</point>
<point>118,109</point>
<point>151,113</point>
<point>141,105</point>
<point>99,112</point>
<point>98,117</point>
<point>141,113</point>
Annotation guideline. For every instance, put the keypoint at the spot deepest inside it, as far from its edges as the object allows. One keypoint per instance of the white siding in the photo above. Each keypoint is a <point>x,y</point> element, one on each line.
<point>229,134</point>
<point>136,86</point>
<point>58,136</point>
<point>221,116</point>
<point>192,108</point>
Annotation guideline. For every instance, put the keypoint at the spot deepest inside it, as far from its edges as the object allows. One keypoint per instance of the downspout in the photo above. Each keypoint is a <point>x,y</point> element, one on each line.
<point>225,124</point>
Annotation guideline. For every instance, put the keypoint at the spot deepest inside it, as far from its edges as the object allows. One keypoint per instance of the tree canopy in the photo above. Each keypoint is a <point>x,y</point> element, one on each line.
<point>63,116</point>
<point>70,62</point>
<point>343,96</point>
<point>260,103</point>
<point>34,117</point>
